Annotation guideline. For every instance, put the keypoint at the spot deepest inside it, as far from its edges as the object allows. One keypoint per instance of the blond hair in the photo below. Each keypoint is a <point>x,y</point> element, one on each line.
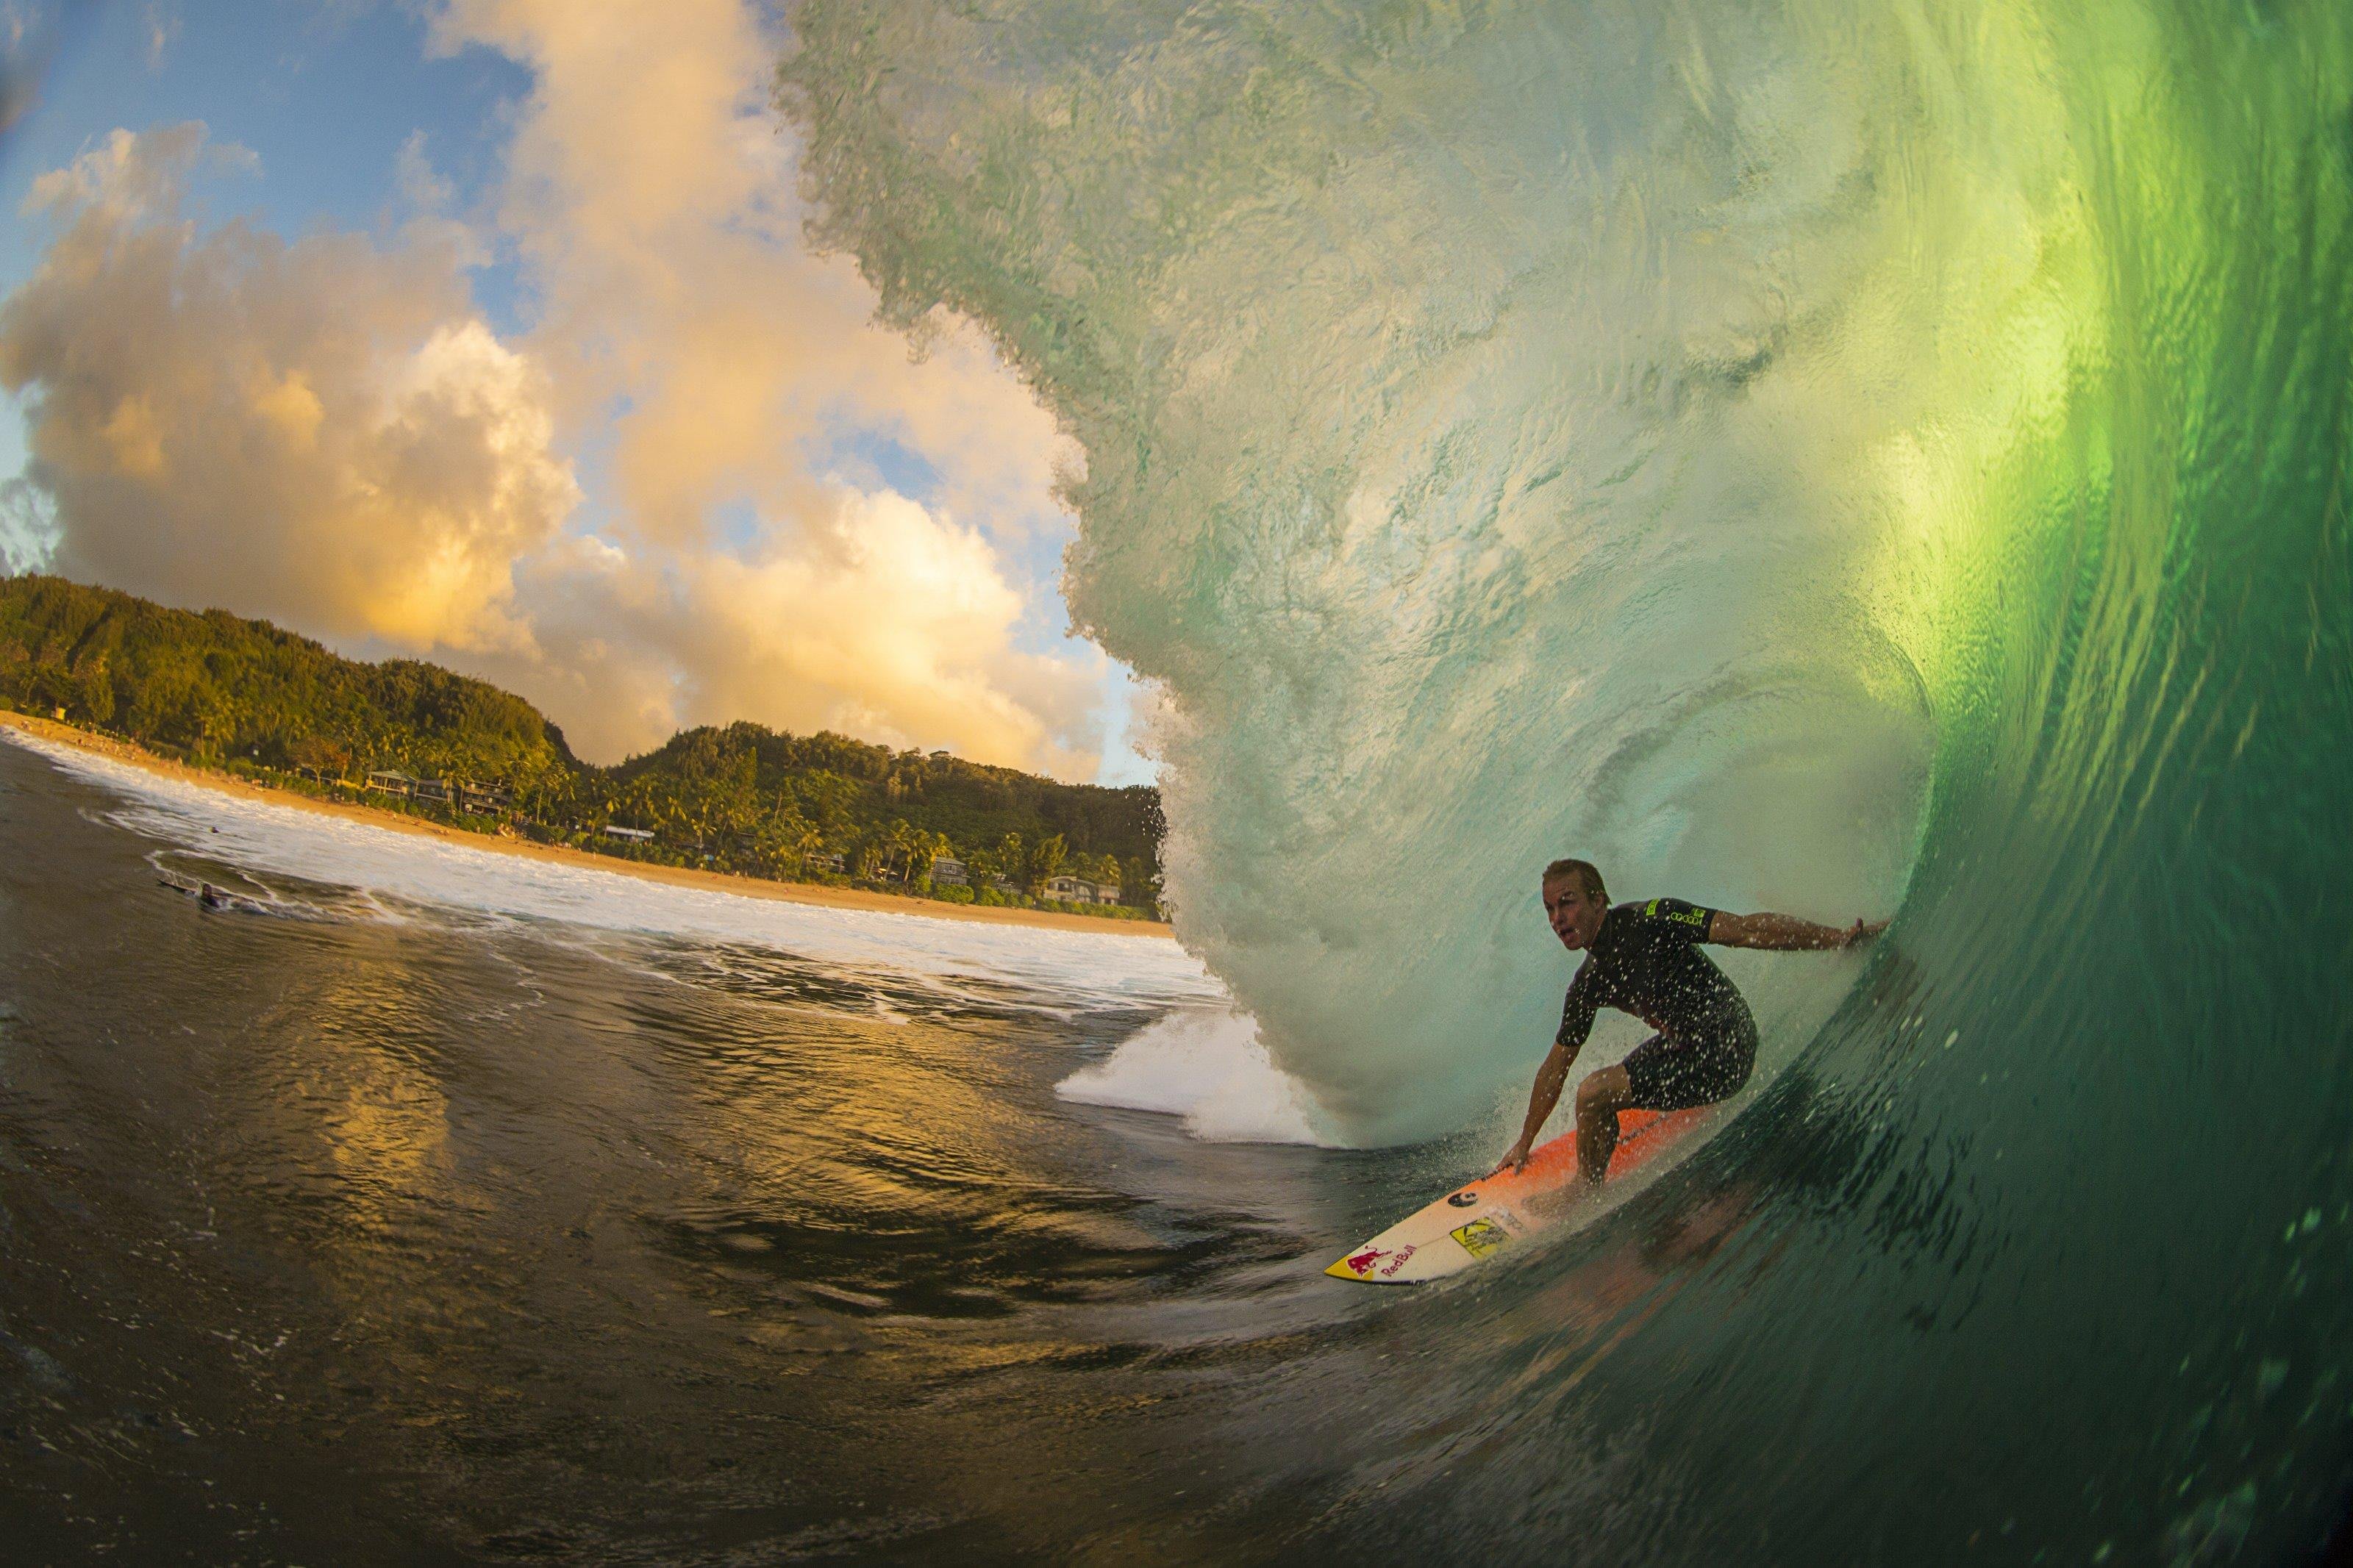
<point>1585,871</point>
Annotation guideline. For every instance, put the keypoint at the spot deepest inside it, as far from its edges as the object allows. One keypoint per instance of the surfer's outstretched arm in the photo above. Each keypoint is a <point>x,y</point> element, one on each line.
<point>1577,1010</point>
<point>1786,933</point>
<point>1541,1100</point>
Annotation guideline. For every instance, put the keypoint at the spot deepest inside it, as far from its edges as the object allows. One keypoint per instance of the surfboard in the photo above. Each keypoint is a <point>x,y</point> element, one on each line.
<point>1474,1222</point>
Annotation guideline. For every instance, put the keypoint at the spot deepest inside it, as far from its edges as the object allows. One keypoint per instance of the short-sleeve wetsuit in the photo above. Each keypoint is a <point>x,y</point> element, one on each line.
<point>1645,959</point>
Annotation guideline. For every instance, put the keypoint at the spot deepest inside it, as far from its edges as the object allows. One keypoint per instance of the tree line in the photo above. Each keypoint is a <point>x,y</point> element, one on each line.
<point>221,690</point>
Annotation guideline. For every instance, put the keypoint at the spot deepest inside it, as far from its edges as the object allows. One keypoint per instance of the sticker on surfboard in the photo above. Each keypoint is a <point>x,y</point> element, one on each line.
<point>1480,1236</point>
<point>1377,1262</point>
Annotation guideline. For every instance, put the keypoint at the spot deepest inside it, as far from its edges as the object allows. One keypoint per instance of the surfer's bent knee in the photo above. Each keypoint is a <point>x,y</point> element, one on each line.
<point>1605,1090</point>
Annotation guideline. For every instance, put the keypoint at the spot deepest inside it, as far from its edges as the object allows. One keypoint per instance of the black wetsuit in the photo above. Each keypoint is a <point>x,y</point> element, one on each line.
<point>1645,959</point>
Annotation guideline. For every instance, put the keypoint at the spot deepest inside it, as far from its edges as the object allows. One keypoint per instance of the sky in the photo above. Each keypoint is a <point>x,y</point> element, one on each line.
<point>484,331</point>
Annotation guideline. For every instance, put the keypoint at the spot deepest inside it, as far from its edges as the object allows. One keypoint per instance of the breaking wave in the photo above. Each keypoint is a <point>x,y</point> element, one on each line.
<point>1830,456</point>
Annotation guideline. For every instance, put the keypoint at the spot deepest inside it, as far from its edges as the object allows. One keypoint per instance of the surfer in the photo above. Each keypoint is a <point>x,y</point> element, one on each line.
<point>1644,959</point>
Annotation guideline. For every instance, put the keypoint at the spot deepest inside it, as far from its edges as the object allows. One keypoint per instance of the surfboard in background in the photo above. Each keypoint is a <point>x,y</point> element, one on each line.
<point>1478,1221</point>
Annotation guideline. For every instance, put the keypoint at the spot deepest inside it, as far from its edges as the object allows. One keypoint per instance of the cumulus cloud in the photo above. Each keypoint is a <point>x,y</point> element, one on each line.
<point>894,624</point>
<point>886,621</point>
<point>327,432</point>
<point>318,430</point>
<point>651,195</point>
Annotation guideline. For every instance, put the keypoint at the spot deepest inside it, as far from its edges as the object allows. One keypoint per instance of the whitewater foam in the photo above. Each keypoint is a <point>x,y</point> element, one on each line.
<point>1211,1068</point>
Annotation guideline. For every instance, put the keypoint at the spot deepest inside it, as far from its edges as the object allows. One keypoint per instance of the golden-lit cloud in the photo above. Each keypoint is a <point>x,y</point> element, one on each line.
<point>326,430</point>
<point>318,430</point>
<point>887,621</point>
<point>650,192</point>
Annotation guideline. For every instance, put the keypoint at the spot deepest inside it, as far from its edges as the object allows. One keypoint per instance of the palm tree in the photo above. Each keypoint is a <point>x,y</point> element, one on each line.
<point>900,843</point>
<point>1045,861</point>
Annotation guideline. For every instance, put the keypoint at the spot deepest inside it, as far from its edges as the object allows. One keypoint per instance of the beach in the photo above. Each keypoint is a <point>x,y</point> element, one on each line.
<point>59,733</point>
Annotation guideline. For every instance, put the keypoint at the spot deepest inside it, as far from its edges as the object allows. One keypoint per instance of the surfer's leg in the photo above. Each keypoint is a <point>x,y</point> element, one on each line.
<point>1599,1099</point>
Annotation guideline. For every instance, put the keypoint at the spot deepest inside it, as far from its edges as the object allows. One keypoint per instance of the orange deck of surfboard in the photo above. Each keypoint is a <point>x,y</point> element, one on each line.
<point>1485,1217</point>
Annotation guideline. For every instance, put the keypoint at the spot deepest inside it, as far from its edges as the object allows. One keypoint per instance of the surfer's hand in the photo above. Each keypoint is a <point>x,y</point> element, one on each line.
<point>1514,1161</point>
<point>1862,932</point>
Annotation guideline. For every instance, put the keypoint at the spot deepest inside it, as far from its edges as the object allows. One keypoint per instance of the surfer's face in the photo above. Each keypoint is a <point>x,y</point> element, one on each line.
<point>1575,914</point>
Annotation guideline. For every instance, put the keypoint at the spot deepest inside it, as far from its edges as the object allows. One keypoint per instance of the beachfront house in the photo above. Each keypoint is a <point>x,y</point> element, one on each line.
<point>628,834</point>
<point>949,871</point>
<point>1078,891</point>
<point>487,800</point>
<point>391,782</point>
<point>435,790</point>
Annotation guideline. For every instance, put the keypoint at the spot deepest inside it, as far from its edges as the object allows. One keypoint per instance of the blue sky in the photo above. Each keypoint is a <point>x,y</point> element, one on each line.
<point>326,94</point>
<point>335,104</point>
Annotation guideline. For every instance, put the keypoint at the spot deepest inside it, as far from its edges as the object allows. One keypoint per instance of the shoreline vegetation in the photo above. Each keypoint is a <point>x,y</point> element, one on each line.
<point>844,897</point>
<point>245,708</point>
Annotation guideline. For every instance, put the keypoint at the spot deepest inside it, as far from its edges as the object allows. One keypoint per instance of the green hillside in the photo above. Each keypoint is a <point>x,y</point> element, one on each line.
<point>242,694</point>
<point>213,687</point>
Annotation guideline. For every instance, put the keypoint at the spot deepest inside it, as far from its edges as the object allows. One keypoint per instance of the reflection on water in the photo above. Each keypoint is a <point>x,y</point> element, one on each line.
<point>396,1235</point>
<point>399,1234</point>
<point>402,1234</point>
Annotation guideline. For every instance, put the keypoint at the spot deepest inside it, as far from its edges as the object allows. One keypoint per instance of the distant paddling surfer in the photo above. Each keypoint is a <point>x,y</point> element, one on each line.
<point>1644,959</point>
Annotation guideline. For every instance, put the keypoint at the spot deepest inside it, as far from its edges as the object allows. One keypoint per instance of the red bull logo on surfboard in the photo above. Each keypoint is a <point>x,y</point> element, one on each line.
<point>1365,1264</point>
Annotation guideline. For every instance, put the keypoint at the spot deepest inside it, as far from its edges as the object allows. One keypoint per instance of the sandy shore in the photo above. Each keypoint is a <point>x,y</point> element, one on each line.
<point>714,881</point>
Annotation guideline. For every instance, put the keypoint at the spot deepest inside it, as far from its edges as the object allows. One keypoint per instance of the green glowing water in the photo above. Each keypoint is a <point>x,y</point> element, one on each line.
<point>1819,456</point>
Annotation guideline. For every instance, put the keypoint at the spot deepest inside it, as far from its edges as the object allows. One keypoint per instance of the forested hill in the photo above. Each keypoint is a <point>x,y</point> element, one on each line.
<point>214,687</point>
<point>220,690</point>
<point>834,793</point>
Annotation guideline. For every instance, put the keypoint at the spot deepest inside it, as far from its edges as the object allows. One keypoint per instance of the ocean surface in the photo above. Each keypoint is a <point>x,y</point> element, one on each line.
<point>1840,456</point>
<point>438,1205</point>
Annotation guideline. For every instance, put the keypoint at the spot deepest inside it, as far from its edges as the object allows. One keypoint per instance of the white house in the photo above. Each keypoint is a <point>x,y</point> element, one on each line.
<point>632,834</point>
<point>949,871</point>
